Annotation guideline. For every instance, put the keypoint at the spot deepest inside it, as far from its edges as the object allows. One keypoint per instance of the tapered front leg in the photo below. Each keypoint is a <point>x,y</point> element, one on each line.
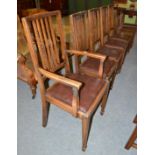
<point>45,107</point>
<point>85,132</point>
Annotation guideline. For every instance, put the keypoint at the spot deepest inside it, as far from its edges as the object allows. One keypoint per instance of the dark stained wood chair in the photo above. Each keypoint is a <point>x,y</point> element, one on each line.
<point>76,93</point>
<point>114,26</point>
<point>106,38</point>
<point>25,71</point>
<point>80,33</point>
<point>133,137</point>
<point>93,27</point>
<point>124,28</point>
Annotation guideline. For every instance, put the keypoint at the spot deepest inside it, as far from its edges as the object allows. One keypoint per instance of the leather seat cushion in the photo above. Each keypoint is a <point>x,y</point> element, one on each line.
<point>130,28</point>
<point>92,65</point>
<point>125,37</point>
<point>117,43</point>
<point>128,31</point>
<point>111,52</point>
<point>90,89</point>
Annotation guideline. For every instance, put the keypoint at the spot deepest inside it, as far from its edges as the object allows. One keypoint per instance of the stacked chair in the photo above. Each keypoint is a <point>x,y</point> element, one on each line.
<point>80,41</point>
<point>124,29</point>
<point>114,28</point>
<point>98,51</point>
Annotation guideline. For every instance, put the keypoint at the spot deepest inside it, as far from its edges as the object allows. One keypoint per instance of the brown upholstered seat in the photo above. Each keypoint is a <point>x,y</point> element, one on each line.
<point>92,66</point>
<point>117,43</point>
<point>111,52</point>
<point>91,87</point>
<point>129,28</point>
<point>127,38</point>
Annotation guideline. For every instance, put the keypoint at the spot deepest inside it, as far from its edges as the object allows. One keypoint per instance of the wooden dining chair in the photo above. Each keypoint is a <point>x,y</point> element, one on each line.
<point>97,41</point>
<point>133,137</point>
<point>114,26</point>
<point>107,40</point>
<point>80,32</point>
<point>124,28</point>
<point>73,92</point>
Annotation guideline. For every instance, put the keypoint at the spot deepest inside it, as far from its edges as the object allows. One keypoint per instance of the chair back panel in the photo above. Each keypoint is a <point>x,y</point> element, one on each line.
<point>45,40</point>
<point>79,30</point>
<point>111,17</point>
<point>116,19</point>
<point>94,27</point>
<point>106,19</point>
<point>104,23</point>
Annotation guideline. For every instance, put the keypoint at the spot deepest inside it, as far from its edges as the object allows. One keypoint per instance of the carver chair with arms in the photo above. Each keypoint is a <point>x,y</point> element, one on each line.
<point>106,33</point>
<point>124,28</point>
<point>76,93</point>
<point>115,33</point>
<point>92,38</point>
<point>80,33</point>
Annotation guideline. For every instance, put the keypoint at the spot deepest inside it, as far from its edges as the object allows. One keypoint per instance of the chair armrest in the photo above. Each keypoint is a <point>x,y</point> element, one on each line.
<point>92,55</point>
<point>61,79</point>
<point>74,84</point>
<point>85,53</point>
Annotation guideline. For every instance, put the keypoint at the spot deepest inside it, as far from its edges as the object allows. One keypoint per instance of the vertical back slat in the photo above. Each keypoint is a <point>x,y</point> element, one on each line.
<point>50,42</point>
<point>43,41</point>
<point>40,46</point>
<point>53,38</point>
<point>46,43</point>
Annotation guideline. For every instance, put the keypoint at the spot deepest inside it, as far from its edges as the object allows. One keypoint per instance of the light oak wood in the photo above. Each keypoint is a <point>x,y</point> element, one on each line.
<point>61,79</point>
<point>49,55</point>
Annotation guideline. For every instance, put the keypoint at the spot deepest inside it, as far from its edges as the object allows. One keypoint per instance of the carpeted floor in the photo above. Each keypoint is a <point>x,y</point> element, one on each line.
<point>62,136</point>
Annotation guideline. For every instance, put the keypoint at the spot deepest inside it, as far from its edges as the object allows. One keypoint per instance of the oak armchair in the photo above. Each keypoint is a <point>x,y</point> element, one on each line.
<point>106,32</point>
<point>80,32</point>
<point>115,33</point>
<point>73,92</point>
<point>124,28</point>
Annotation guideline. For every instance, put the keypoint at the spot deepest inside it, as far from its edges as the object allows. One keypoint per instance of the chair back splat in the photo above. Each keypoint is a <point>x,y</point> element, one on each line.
<point>95,29</point>
<point>45,40</point>
<point>79,30</point>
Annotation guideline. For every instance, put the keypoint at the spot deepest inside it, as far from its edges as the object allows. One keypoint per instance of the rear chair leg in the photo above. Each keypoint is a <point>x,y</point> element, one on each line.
<point>85,132</point>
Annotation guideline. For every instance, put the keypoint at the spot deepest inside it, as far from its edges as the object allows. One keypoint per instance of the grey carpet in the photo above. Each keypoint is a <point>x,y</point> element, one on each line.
<point>62,136</point>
